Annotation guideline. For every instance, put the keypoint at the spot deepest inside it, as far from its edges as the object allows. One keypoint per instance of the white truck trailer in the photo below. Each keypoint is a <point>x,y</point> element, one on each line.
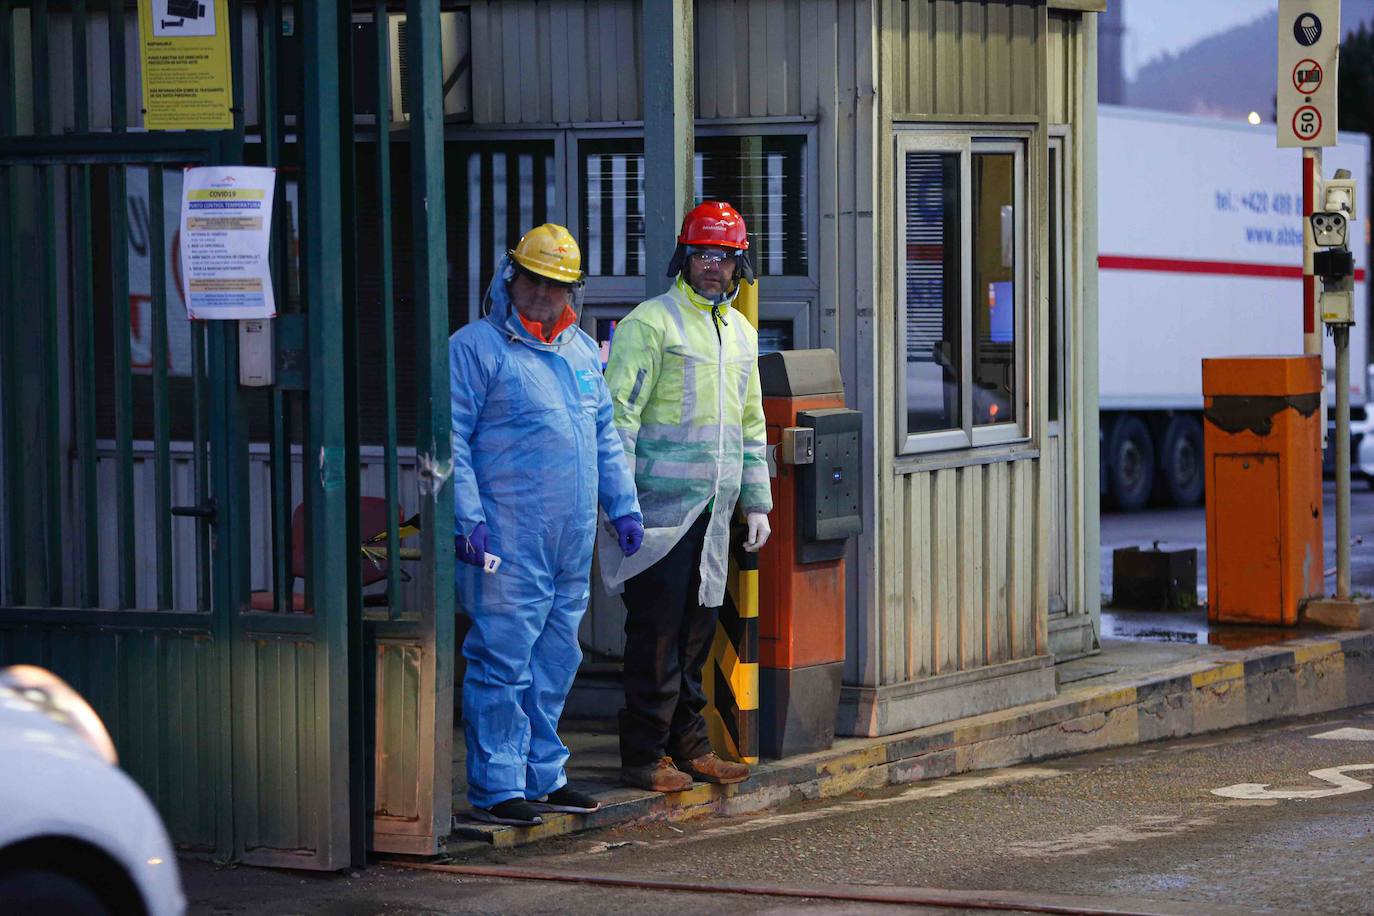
<point>1200,242</point>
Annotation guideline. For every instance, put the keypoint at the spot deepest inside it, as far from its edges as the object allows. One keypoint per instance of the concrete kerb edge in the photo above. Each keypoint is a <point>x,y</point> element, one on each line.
<point>1241,687</point>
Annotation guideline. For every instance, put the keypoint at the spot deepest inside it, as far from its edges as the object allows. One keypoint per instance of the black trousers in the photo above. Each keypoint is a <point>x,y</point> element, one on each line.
<point>667,642</point>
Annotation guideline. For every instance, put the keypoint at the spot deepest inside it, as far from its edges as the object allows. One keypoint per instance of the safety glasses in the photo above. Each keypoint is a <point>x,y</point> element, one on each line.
<point>715,257</point>
<point>547,283</point>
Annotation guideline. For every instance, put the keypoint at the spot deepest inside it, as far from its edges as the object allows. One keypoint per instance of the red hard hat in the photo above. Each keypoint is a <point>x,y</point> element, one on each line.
<point>714,224</point>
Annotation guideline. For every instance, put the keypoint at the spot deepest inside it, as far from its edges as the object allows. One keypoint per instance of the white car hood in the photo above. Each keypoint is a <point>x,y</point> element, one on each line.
<point>54,784</point>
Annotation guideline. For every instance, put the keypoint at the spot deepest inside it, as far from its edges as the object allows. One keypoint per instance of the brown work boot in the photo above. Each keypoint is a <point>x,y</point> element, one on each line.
<point>659,776</point>
<point>710,768</point>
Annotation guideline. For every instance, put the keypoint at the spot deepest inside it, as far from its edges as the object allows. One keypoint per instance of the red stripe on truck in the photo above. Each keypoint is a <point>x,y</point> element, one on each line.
<point>1215,268</point>
<point>1309,308</point>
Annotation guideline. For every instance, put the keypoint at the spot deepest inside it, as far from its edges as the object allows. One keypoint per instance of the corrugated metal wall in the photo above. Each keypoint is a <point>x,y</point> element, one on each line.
<point>964,58</point>
<point>537,62</point>
<point>750,56</point>
<point>159,695</point>
<point>1071,67</point>
<point>278,678</point>
<point>966,553</point>
<point>966,583</point>
<point>1065,68</point>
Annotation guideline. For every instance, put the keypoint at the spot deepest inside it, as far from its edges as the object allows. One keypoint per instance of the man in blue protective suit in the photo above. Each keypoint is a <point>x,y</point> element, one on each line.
<point>535,449</point>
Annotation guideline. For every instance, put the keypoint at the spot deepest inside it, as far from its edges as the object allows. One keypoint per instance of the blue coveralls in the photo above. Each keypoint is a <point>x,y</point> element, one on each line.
<point>534,450</point>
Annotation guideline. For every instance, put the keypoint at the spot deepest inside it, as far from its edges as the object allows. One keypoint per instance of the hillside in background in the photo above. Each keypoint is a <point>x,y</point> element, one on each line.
<point>1227,75</point>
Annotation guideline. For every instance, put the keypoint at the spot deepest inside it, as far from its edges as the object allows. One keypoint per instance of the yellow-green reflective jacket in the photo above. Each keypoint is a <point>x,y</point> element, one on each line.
<point>685,387</point>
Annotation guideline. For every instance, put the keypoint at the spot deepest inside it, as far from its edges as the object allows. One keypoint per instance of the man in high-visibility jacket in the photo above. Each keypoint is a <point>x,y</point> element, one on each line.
<point>684,380</point>
<point>534,453</point>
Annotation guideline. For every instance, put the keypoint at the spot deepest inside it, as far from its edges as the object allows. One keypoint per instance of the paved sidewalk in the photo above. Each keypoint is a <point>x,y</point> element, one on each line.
<point>1130,693</point>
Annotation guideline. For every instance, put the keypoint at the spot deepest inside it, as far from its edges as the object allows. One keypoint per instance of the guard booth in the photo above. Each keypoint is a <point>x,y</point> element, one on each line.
<point>918,179</point>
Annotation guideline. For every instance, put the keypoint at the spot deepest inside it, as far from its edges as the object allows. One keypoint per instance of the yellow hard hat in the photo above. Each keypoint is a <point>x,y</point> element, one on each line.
<point>550,251</point>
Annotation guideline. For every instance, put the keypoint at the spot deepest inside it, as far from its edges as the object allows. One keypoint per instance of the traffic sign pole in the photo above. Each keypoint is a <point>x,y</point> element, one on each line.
<point>1311,189</point>
<point>1309,36</point>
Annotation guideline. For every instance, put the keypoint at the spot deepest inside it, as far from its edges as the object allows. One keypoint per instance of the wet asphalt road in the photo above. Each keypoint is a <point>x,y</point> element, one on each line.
<point>1140,826</point>
<point>1178,529</point>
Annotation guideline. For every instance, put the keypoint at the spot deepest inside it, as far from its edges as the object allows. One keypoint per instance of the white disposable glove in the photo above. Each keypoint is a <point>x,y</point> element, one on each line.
<point>758,531</point>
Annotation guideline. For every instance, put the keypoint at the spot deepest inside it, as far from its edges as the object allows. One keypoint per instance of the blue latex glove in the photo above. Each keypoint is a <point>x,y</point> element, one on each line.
<point>630,533</point>
<point>472,549</point>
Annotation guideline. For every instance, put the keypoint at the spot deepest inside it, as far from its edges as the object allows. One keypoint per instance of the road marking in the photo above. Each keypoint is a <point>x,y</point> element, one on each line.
<point>1347,734</point>
<point>1340,785</point>
<point>939,788</point>
<point>832,807</point>
<point>1108,836</point>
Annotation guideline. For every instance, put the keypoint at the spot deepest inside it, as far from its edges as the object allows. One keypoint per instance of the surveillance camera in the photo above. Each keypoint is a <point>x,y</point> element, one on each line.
<point>1338,194</point>
<point>1329,229</point>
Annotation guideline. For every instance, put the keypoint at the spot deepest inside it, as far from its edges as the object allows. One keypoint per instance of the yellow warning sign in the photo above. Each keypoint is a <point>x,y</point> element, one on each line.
<point>187,69</point>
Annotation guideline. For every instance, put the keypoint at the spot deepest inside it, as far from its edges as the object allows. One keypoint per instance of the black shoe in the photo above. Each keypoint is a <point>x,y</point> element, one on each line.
<point>514,811</point>
<point>567,800</point>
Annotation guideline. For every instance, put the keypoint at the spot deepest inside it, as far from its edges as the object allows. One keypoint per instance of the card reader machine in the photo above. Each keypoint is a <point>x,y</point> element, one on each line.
<point>814,460</point>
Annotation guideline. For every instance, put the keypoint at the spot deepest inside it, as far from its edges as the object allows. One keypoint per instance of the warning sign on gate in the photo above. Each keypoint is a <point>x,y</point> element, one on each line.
<point>226,235</point>
<point>1309,42</point>
<point>186,64</point>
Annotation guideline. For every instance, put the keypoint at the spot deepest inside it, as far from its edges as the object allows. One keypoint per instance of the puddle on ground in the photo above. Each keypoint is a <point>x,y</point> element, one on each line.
<point>1192,627</point>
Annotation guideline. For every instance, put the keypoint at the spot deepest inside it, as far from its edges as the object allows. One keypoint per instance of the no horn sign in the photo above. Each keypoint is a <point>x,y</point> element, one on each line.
<point>1307,76</point>
<point>1309,42</point>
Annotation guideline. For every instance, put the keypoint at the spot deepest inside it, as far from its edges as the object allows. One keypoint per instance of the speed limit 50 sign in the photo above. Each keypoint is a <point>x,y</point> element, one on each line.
<point>1309,42</point>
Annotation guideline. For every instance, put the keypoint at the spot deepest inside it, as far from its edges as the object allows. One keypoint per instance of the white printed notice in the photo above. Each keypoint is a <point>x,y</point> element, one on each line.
<point>226,232</point>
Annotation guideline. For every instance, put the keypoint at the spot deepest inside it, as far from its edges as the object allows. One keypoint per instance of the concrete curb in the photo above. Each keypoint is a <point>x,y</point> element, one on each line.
<point>1227,690</point>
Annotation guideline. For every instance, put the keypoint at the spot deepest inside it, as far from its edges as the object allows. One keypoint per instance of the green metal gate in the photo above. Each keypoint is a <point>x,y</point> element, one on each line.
<point>188,552</point>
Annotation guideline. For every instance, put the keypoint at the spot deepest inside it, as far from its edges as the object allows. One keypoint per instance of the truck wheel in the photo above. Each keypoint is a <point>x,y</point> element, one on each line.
<point>1181,461</point>
<point>1131,464</point>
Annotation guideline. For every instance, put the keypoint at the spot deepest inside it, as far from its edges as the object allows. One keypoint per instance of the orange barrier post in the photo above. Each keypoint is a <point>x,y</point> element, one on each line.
<point>817,494</point>
<point>1264,486</point>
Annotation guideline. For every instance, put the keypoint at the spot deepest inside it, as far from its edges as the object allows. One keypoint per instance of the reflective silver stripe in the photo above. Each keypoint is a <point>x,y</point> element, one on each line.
<point>685,433</point>
<point>742,342</point>
<point>689,368</point>
<point>689,391</point>
<point>683,470</point>
<point>754,474</point>
<point>639,383</point>
<point>676,313</point>
<point>741,337</point>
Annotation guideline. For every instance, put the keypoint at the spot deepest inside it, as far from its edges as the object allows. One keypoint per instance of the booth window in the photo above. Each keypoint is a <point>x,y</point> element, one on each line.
<point>961,279</point>
<point>762,176</point>
<point>932,289</point>
<point>611,193</point>
<point>497,191</point>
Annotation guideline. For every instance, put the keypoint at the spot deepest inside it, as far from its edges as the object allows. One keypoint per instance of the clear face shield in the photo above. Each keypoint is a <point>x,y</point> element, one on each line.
<point>535,294</point>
